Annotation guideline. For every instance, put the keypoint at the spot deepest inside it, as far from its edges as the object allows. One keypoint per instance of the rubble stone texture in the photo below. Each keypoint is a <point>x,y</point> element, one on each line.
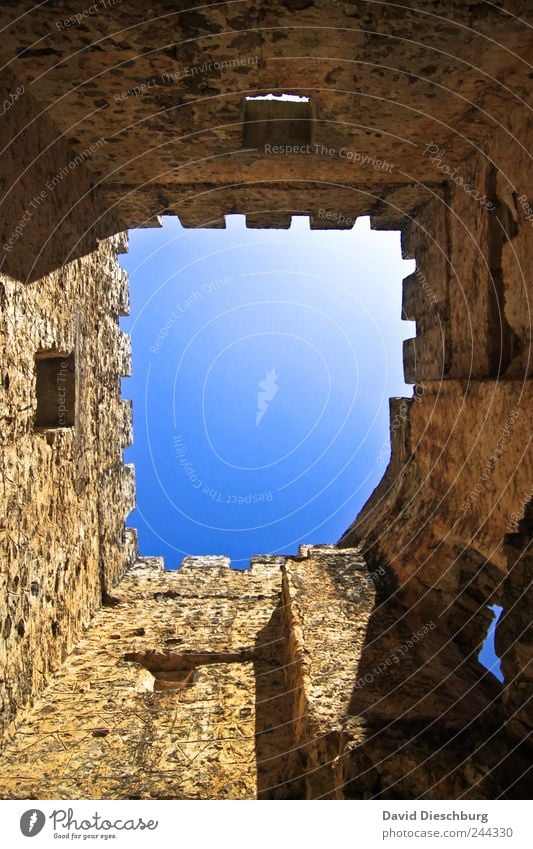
<point>348,671</point>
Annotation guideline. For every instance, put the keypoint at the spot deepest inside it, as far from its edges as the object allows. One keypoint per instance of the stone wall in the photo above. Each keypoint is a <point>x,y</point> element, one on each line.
<point>65,491</point>
<point>274,682</point>
<point>211,730</point>
<point>115,119</point>
<point>50,212</point>
<point>459,479</point>
<point>166,91</point>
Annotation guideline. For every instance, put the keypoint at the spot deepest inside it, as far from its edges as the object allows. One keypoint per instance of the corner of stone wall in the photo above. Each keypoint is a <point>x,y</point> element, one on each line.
<point>327,598</point>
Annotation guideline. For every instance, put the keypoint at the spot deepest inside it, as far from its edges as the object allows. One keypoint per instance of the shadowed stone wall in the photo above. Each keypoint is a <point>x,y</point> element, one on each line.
<point>270,683</point>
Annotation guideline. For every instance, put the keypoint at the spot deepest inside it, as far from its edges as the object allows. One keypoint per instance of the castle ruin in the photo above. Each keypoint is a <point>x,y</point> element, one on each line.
<point>347,671</point>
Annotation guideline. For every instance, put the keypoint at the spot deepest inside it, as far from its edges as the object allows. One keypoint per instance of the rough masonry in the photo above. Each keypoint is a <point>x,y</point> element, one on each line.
<point>417,116</point>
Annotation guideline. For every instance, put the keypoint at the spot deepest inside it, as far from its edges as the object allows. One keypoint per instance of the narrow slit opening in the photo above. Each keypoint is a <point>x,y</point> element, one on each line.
<point>487,656</point>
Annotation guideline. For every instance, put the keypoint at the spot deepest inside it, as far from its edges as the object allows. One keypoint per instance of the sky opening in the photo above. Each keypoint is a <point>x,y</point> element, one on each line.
<point>287,98</point>
<point>487,656</point>
<point>263,361</point>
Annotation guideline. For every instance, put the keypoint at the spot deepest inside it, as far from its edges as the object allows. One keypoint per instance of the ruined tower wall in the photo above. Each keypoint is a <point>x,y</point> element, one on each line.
<point>64,490</point>
<point>281,681</point>
<point>49,212</point>
<point>469,292</point>
<point>324,592</point>
<point>447,530</point>
<point>206,682</point>
<point>461,465</point>
<point>172,683</point>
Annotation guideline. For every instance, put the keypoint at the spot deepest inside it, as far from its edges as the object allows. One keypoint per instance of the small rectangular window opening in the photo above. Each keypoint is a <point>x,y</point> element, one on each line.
<point>277,120</point>
<point>56,390</point>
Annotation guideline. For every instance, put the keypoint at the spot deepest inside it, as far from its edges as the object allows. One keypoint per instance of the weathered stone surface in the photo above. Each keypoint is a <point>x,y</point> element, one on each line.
<point>116,117</point>
<point>165,90</point>
<point>64,493</point>
<point>137,741</point>
<point>274,682</point>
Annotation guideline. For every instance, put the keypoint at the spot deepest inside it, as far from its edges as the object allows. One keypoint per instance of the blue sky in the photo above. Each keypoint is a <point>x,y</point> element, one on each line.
<point>263,361</point>
<point>487,655</point>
